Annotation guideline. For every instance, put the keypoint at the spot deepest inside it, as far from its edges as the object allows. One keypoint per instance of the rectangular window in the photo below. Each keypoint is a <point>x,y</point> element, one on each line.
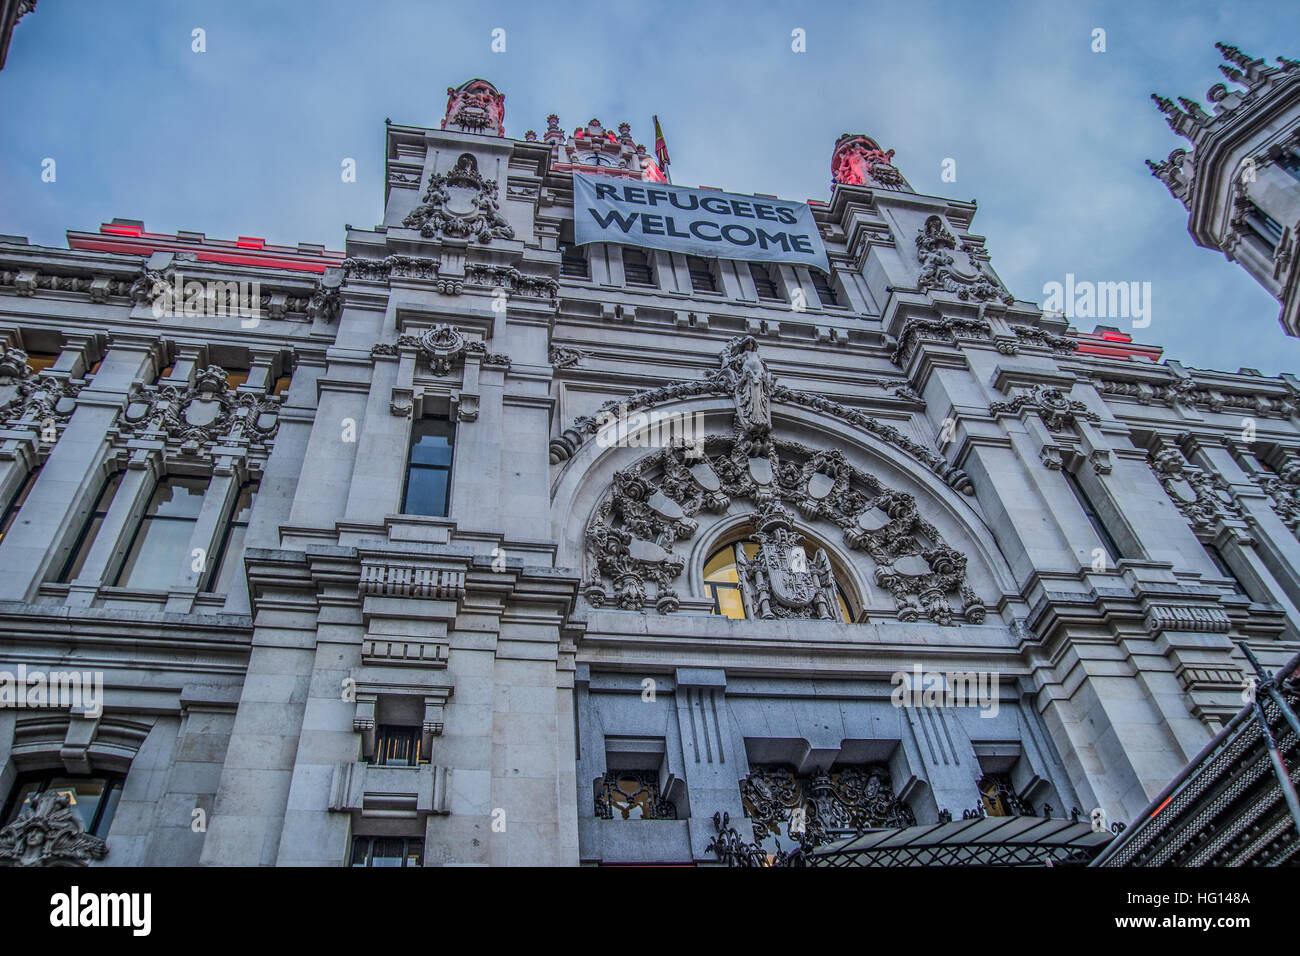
<point>398,746</point>
<point>90,530</point>
<point>825,291</point>
<point>573,261</point>
<point>701,270</point>
<point>10,514</point>
<point>231,553</point>
<point>428,473</point>
<point>1094,518</point>
<point>92,798</point>
<point>161,543</point>
<point>763,281</point>
<point>387,851</point>
<point>636,267</point>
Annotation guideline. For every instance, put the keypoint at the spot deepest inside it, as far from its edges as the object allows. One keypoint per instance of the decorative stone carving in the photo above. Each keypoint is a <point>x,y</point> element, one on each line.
<point>1059,344</point>
<point>98,287</point>
<point>325,303</point>
<point>859,161</point>
<point>13,365</point>
<point>50,835</point>
<point>562,357</point>
<point>512,280</point>
<point>442,348</point>
<point>148,287</point>
<point>751,385</point>
<point>851,799</point>
<point>1202,497</point>
<point>1174,617</point>
<point>781,581</point>
<point>475,107</point>
<point>945,331</point>
<point>460,204</point>
<point>201,416</point>
<point>379,270</point>
<point>1058,411</point>
<point>1187,391</point>
<point>631,537</point>
<point>937,249</point>
<point>723,381</point>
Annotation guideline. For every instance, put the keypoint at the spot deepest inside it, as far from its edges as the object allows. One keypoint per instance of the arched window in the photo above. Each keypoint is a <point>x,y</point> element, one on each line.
<point>722,580</point>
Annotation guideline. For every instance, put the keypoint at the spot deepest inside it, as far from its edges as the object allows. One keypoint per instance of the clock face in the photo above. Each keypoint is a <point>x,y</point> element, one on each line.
<point>594,159</point>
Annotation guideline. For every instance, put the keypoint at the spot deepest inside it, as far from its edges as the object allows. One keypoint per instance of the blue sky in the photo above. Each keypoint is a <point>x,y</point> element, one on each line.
<point>247,138</point>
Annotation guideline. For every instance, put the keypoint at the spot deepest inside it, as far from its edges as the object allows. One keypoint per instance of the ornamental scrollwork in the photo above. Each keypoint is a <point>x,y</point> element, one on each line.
<point>201,416</point>
<point>36,399</point>
<point>460,204</point>
<point>1202,497</point>
<point>945,331</point>
<point>632,534</point>
<point>937,249</point>
<point>1058,411</point>
<point>442,348</point>
<point>849,799</point>
<point>633,792</point>
<point>51,834</point>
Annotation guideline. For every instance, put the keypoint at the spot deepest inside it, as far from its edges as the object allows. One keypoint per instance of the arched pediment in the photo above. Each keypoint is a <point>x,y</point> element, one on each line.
<point>635,540</point>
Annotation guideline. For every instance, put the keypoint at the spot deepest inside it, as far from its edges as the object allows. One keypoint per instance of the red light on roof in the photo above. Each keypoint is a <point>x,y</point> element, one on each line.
<point>116,229</point>
<point>1117,337</point>
<point>1162,806</point>
<point>246,242</point>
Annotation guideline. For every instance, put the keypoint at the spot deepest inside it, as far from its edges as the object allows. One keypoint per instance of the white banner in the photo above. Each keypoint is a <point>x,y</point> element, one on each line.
<point>697,222</point>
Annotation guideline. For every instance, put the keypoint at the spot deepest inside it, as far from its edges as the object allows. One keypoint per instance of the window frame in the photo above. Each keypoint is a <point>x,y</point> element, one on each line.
<point>84,541</point>
<point>1108,540</point>
<point>113,780</point>
<point>450,424</point>
<point>407,842</point>
<point>145,518</point>
<point>214,576</point>
<point>9,517</point>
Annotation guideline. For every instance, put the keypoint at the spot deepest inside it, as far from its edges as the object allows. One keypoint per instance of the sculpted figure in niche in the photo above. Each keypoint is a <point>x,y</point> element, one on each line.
<point>753,392</point>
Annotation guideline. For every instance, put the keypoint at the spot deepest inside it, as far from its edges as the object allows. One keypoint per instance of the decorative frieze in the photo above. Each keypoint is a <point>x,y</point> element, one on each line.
<point>1176,617</point>
<point>441,348</point>
<point>388,580</point>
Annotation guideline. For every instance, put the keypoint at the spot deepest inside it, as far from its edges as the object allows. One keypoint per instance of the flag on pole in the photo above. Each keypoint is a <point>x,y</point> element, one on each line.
<point>661,145</point>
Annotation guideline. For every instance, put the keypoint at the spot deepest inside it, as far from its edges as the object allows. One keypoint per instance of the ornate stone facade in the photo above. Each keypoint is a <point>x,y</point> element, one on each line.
<point>455,533</point>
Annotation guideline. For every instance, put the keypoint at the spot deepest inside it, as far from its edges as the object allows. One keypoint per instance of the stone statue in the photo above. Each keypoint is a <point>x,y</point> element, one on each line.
<point>751,385</point>
<point>859,161</point>
<point>475,107</point>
